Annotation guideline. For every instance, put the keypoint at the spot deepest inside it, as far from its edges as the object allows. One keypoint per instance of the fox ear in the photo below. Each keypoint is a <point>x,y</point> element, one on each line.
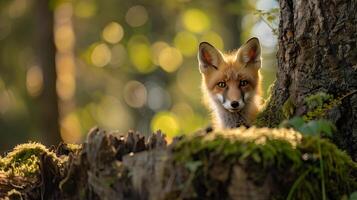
<point>250,52</point>
<point>208,57</point>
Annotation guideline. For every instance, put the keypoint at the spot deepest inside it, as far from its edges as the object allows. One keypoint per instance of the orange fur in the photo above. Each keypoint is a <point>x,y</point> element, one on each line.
<point>231,70</point>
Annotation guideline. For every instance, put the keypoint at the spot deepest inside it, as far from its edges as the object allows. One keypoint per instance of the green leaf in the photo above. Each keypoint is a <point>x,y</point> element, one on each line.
<point>353,196</point>
<point>256,157</point>
<point>193,165</point>
<point>271,18</point>
<point>296,122</point>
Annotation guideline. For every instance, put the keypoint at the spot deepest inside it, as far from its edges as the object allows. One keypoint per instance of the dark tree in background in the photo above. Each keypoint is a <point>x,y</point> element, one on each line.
<point>46,53</point>
<point>317,53</point>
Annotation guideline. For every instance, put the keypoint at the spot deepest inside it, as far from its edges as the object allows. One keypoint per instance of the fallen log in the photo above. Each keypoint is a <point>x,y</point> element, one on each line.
<point>254,163</point>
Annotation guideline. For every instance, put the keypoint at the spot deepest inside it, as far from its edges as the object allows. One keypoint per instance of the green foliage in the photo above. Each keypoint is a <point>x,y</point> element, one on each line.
<point>296,166</point>
<point>353,196</point>
<point>314,127</point>
<point>270,17</point>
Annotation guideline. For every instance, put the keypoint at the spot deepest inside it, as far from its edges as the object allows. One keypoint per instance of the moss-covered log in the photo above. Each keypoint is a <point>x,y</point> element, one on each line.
<point>238,164</point>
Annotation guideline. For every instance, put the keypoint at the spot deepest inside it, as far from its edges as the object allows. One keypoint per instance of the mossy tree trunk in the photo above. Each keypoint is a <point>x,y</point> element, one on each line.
<point>317,53</point>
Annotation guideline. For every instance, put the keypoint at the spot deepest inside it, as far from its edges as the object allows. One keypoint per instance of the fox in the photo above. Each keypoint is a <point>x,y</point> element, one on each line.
<point>231,83</point>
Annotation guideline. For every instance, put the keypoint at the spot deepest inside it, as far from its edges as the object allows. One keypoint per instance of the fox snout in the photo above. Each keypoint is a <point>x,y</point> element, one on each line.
<point>231,99</point>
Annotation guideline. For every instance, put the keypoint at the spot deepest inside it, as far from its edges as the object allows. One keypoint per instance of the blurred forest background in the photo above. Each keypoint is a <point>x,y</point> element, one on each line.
<point>69,65</point>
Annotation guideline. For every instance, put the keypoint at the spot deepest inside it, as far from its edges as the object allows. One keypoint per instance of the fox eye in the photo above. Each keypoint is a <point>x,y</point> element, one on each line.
<point>221,84</point>
<point>243,83</point>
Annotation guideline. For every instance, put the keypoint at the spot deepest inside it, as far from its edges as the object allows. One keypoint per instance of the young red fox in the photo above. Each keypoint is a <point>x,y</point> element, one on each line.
<point>231,83</point>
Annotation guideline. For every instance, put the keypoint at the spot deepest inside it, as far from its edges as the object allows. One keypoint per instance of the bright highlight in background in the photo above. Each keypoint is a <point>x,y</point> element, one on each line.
<point>196,21</point>
<point>214,39</point>
<point>166,122</point>
<point>140,54</point>
<point>187,43</point>
<point>85,9</point>
<point>135,94</point>
<point>113,33</point>
<point>101,55</point>
<point>170,59</point>
<point>34,81</point>
<point>136,16</point>
<point>156,49</point>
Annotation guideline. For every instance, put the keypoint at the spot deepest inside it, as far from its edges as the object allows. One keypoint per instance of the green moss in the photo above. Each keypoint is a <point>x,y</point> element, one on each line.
<point>24,159</point>
<point>292,161</point>
<point>288,108</point>
<point>319,104</point>
<point>74,147</point>
<point>270,116</point>
<point>267,118</point>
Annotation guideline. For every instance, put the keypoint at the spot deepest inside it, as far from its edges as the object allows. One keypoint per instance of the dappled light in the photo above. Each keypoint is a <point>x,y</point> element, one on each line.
<point>34,81</point>
<point>196,20</point>
<point>170,59</point>
<point>135,94</point>
<point>166,122</point>
<point>186,42</point>
<point>113,32</point>
<point>122,66</point>
<point>178,99</point>
<point>136,16</point>
<point>101,55</point>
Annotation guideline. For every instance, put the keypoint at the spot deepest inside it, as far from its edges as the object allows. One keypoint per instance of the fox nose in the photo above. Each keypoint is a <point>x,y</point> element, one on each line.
<point>235,104</point>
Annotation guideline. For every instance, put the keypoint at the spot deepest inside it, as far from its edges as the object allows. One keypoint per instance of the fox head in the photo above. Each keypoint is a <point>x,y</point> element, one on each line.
<point>231,80</point>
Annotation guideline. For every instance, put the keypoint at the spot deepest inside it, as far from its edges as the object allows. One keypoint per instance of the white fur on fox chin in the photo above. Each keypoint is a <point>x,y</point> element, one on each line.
<point>223,118</point>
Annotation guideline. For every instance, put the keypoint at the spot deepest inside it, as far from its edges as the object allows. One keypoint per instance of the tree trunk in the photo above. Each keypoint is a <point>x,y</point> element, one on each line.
<point>317,53</point>
<point>46,53</point>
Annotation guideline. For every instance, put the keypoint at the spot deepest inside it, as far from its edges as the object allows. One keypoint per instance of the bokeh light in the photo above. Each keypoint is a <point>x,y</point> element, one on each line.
<point>214,39</point>
<point>85,9</point>
<point>136,16</point>
<point>64,38</point>
<point>167,122</point>
<point>119,55</point>
<point>17,8</point>
<point>34,81</point>
<point>71,130</point>
<point>186,42</point>
<point>158,97</point>
<point>189,81</point>
<point>140,54</point>
<point>170,59</point>
<point>110,113</point>
<point>196,20</point>
<point>135,94</point>
<point>120,64</point>
<point>156,49</point>
<point>101,55</point>
<point>188,120</point>
<point>113,32</point>
<point>65,86</point>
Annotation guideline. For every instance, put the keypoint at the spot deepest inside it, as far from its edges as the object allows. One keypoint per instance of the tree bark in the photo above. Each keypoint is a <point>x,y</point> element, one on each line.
<point>317,53</point>
<point>46,55</point>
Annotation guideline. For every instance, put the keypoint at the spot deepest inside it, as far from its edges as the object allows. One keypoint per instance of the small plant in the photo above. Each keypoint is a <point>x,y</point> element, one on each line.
<point>313,128</point>
<point>270,17</point>
<point>320,103</point>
